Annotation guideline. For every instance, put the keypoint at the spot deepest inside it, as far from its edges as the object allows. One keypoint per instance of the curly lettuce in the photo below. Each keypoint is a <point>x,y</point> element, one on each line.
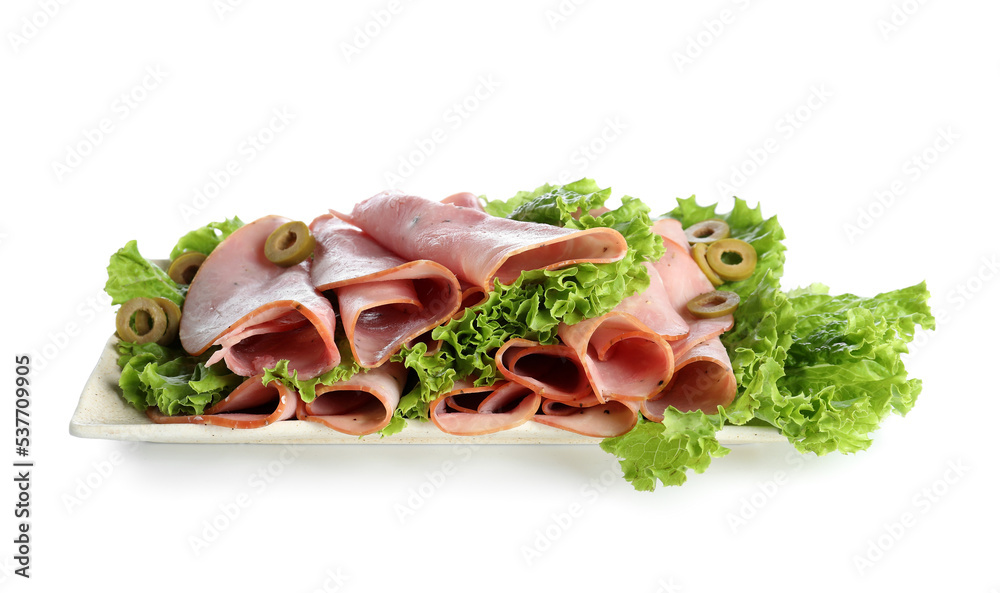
<point>171,381</point>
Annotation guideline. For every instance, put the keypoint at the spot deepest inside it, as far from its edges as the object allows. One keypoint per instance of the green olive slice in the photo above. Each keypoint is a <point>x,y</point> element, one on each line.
<point>713,304</point>
<point>698,253</point>
<point>173,313</point>
<point>707,231</point>
<point>732,259</point>
<point>289,244</point>
<point>150,321</point>
<point>183,269</point>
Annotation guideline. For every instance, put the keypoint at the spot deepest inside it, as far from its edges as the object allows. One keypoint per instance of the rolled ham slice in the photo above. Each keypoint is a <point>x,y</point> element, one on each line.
<point>251,405</point>
<point>475,246</point>
<point>623,359</point>
<point>703,380</point>
<point>361,405</point>
<point>384,300</point>
<point>606,420</point>
<point>684,280</point>
<point>258,312</point>
<point>469,410</point>
<point>553,371</point>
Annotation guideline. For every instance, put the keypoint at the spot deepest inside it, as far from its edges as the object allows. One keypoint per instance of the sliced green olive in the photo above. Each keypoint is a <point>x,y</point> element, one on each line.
<point>150,321</point>
<point>173,313</point>
<point>707,231</point>
<point>698,252</point>
<point>289,244</point>
<point>183,269</point>
<point>732,259</point>
<point>713,304</point>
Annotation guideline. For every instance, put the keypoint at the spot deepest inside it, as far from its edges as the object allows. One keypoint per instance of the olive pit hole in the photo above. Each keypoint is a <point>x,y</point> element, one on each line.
<point>731,258</point>
<point>287,240</point>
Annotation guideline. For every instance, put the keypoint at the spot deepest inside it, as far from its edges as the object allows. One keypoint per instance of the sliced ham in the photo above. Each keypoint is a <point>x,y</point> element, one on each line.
<point>623,359</point>
<point>654,307</point>
<point>703,380</point>
<point>610,419</point>
<point>469,410</point>
<point>384,300</point>
<point>251,405</point>
<point>553,371</point>
<point>671,228</point>
<point>258,312</point>
<point>478,247</point>
<point>684,280</point>
<point>464,200</point>
<point>361,405</point>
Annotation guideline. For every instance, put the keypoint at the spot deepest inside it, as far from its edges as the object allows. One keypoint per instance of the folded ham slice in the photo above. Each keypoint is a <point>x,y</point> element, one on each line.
<point>623,359</point>
<point>606,420</point>
<point>469,410</point>
<point>361,405</point>
<point>251,405</point>
<point>475,246</point>
<point>703,380</point>
<point>684,280</point>
<point>258,312</point>
<point>553,371</point>
<point>384,300</point>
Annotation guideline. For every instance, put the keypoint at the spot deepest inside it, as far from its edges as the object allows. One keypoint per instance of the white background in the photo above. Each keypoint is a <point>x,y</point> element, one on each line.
<point>690,90</point>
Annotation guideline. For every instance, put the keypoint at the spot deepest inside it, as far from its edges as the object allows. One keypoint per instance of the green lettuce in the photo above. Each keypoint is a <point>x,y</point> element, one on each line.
<point>843,373</point>
<point>170,380</point>
<point>130,275</point>
<point>207,238</point>
<point>664,452</point>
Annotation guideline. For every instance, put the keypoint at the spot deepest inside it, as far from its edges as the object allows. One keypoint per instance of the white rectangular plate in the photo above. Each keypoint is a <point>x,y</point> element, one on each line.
<point>103,414</point>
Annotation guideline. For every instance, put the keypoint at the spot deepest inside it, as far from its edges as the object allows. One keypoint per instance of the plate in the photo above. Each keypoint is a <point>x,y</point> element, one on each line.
<point>102,413</point>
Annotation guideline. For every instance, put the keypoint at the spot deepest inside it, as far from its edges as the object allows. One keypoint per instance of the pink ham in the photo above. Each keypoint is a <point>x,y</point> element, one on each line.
<point>623,358</point>
<point>361,405</point>
<point>703,380</point>
<point>654,308</point>
<point>684,280</point>
<point>475,246</point>
<point>610,419</point>
<point>251,405</point>
<point>671,228</point>
<point>384,300</point>
<point>464,200</point>
<point>469,411</point>
<point>258,312</point>
<point>553,371</point>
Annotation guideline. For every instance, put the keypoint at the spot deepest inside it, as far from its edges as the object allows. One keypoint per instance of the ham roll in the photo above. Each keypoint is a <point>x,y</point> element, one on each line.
<point>478,247</point>
<point>258,312</point>
<point>384,301</point>
<point>703,380</point>
<point>469,410</point>
<point>361,405</point>
<point>610,419</point>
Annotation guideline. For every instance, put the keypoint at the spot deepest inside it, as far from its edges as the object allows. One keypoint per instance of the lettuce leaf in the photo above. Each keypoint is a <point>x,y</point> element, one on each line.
<point>170,380</point>
<point>758,346</point>
<point>663,452</point>
<point>130,275</point>
<point>843,372</point>
<point>207,238</point>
